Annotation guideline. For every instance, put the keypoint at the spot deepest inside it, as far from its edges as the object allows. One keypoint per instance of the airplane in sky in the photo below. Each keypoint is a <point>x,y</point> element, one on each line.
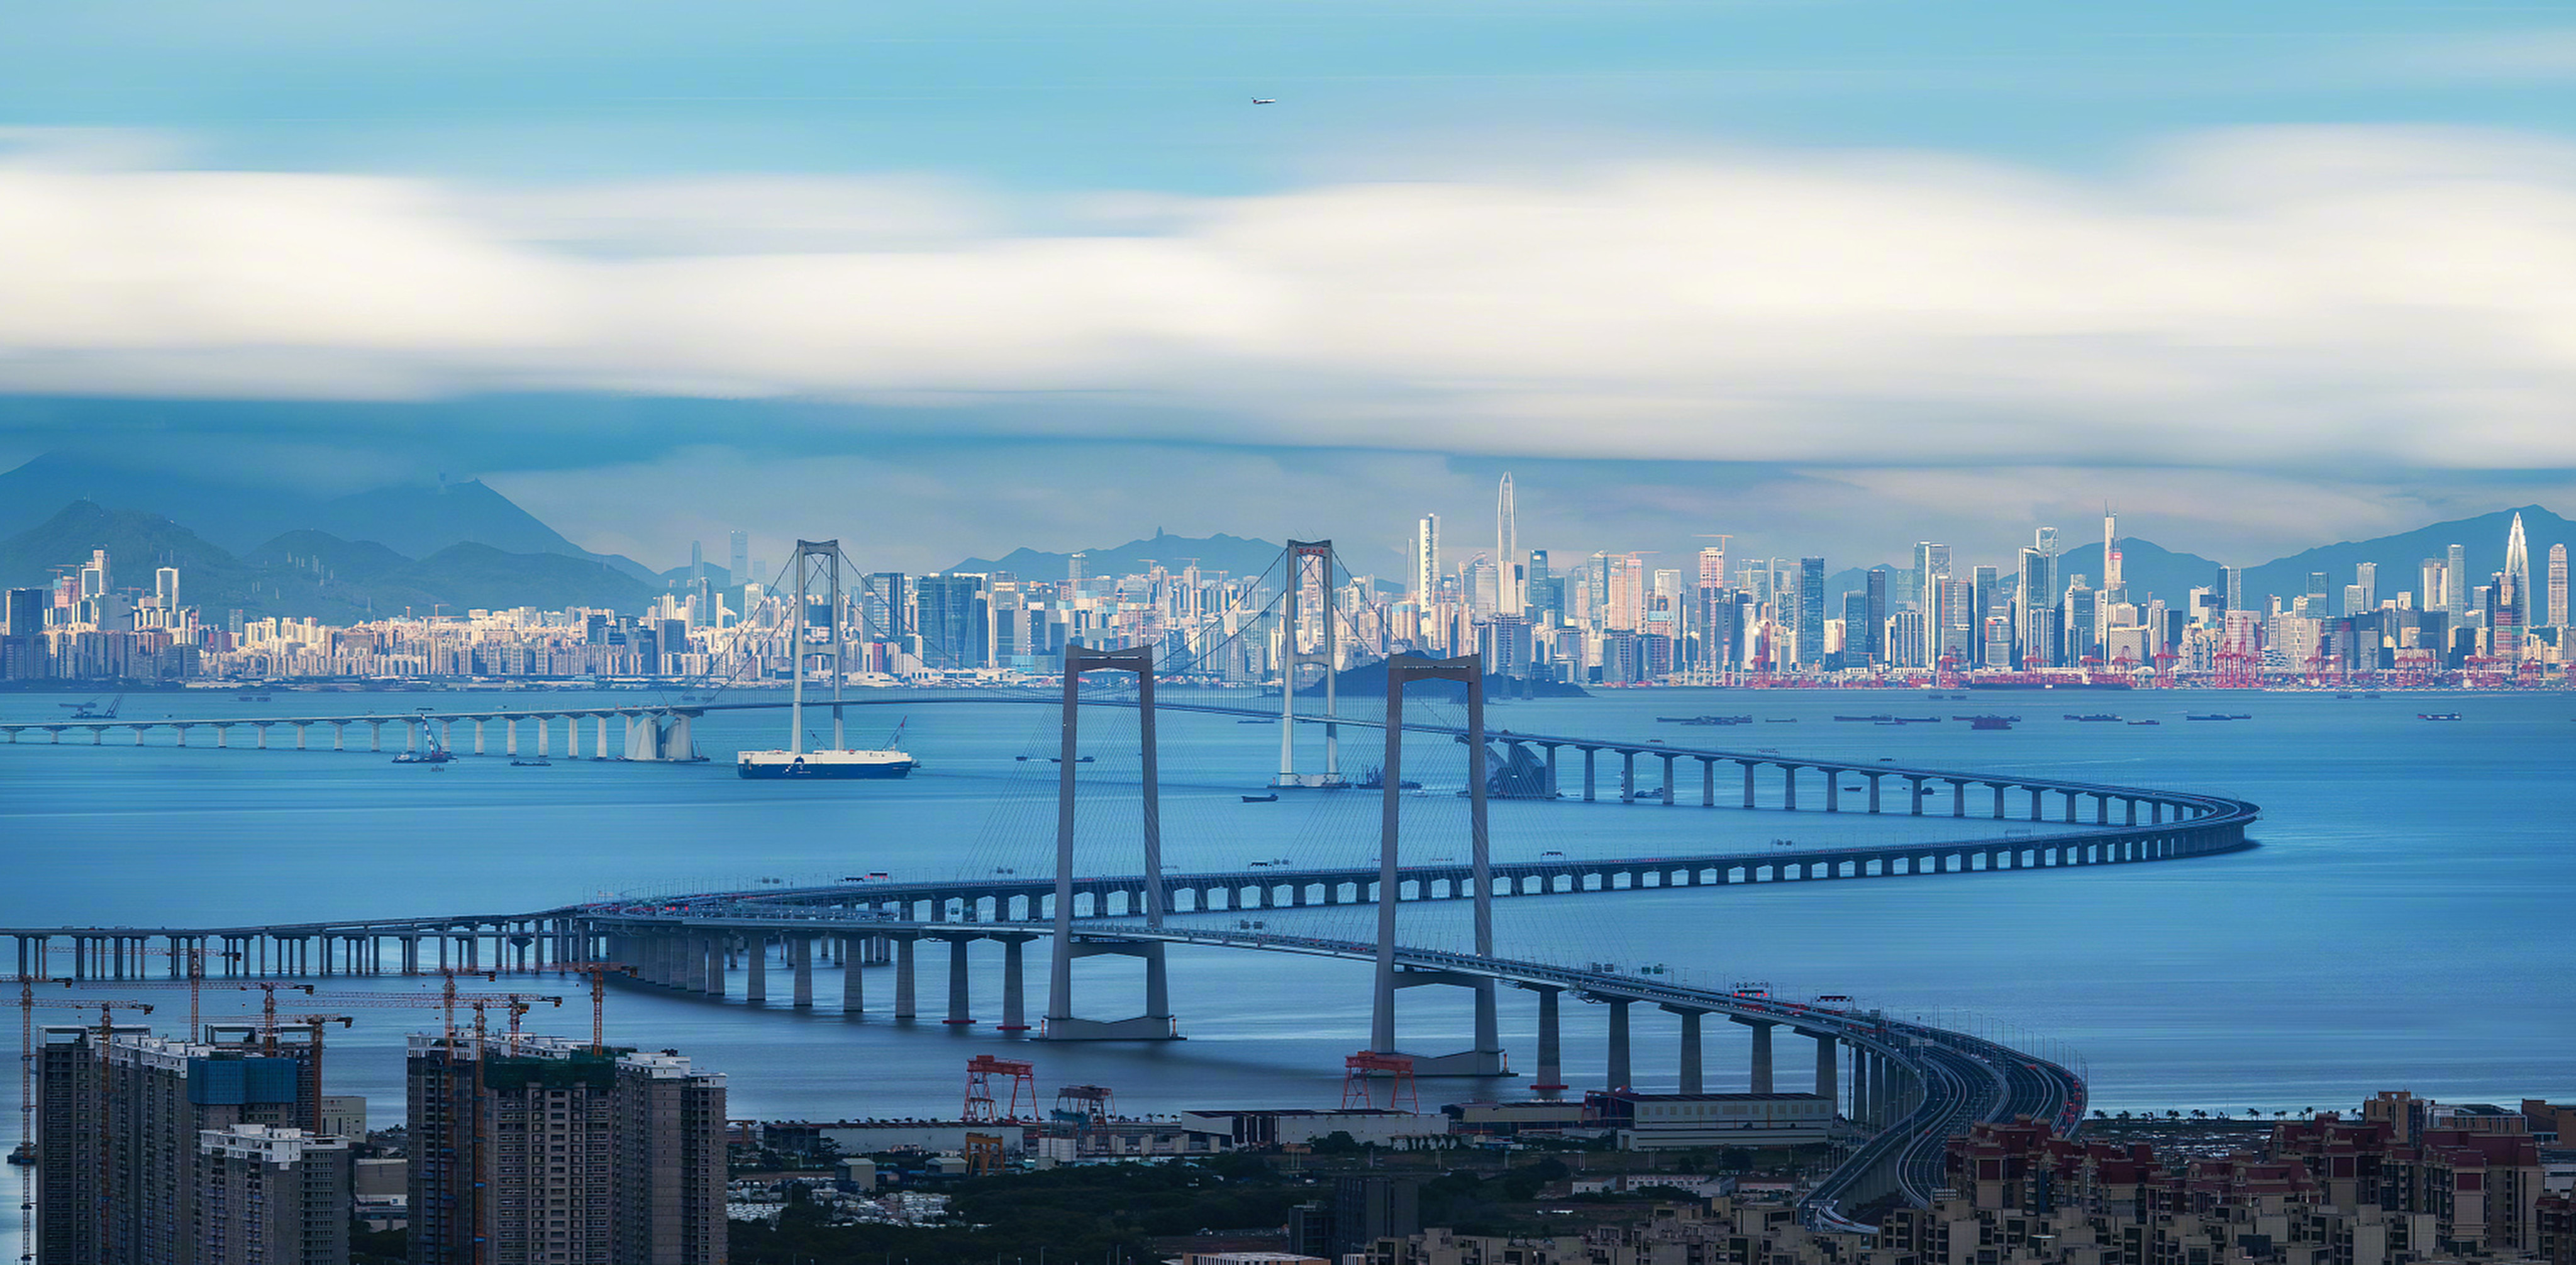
<point>1265,100</point>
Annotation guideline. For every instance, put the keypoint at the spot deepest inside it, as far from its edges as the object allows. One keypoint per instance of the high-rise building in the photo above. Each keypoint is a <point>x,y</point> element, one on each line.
<point>24,615</point>
<point>2365,576</point>
<point>2231,588</point>
<point>2455,577</point>
<point>2080,623</point>
<point>2436,587</point>
<point>738,562</point>
<point>119,1126</point>
<point>886,604</point>
<point>2111,580</point>
<point>1931,566</point>
<point>165,588</point>
<point>1426,560</point>
<point>272,1196</point>
<point>1987,585</point>
<point>1876,631</point>
<point>1542,599</point>
<point>1811,611</point>
<point>548,1152</point>
<point>1712,567</point>
<point>2557,586</point>
<point>1507,552</point>
<point>953,620</point>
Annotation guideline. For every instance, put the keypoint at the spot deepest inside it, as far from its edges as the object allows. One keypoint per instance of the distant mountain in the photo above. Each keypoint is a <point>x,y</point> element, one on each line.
<point>311,573</point>
<point>2400,557</point>
<point>2147,569</point>
<point>1234,555</point>
<point>241,513</point>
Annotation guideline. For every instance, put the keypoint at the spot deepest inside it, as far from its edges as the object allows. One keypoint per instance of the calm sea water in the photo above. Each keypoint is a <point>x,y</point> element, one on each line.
<point>2402,926</point>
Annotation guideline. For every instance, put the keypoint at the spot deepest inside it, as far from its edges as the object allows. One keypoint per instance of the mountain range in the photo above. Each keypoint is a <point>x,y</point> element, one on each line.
<point>242,513</point>
<point>312,573</point>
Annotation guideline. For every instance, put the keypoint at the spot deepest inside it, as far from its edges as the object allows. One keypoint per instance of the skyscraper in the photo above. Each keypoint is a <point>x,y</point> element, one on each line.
<point>2455,577</point>
<point>165,588</point>
<point>1507,557</point>
<point>738,563</point>
<point>1931,567</point>
<point>1987,583</point>
<point>2111,582</point>
<point>1426,560</point>
<point>2365,576</point>
<point>554,1153</point>
<point>2038,632</point>
<point>2558,586</point>
<point>1811,611</point>
<point>2436,589</point>
<point>1876,638</point>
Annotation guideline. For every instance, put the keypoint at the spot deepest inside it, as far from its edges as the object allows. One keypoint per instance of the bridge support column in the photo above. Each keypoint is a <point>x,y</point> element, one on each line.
<point>478,735</point>
<point>2133,811</point>
<point>545,736</point>
<point>800,959</point>
<point>1588,753</point>
<point>1627,776</point>
<point>1619,1076</point>
<point>1862,1104</point>
<point>1707,782</point>
<point>1999,799</point>
<point>1916,784</point>
<point>1828,1077</point>
<point>1748,783</point>
<point>1873,792</point>
<point>1015,1004</point>
<point>1486,1058</point>
<point>755,971</point>
<point>905,994</point>
<point>2037,810</point>
<point>2070,806</point>
<point>510,735</point>
<point>853,985</point>
<point>960,1007</point>
<point>1789,787</point>
<point>1881,1086</point>
<point>1552,783</point>
<point>1761,1061</point>
<point>262,743</point>
<point>2156,809</point>
<point>1692,1068</point>
<point>1668,779</point>
<point>1958,798</point>
<point>599,736</point>
<point>1551,1060</point>
<point>2101,810</point>
<point>716,946</point>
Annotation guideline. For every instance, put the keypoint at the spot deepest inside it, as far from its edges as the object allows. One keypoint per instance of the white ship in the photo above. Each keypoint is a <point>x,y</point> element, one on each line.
<point>837,760</point>
<point>824,764</point>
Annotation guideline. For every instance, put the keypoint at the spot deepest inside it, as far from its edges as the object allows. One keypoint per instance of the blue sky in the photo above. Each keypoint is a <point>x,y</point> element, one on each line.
<point>1847,273</point>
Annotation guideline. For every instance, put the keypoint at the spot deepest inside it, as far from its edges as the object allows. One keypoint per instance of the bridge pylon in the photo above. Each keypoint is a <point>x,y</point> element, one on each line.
<point>1156,1024</point>
<point>1487,1058</point>
<point>1291,657</point>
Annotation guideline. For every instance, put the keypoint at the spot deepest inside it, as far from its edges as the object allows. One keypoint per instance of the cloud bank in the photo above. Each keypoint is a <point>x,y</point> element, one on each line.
<point>2348,297</point>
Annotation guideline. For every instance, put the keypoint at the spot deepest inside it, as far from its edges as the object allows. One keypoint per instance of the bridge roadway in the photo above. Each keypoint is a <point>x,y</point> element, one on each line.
<point>661,732</point>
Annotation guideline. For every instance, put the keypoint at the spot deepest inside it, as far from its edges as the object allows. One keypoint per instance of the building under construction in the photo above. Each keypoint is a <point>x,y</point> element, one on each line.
<point>120,1115</point>
<point>546,1149</point>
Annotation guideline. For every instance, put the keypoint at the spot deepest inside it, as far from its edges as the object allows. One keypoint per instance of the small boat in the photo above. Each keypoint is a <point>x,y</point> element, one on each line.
<point>1271,798</point>
<point>435,755</point>
<point>1779,720</point>
<point>1057,759</point>
<point>1989,722</point>
<point>1263,720</point>
<point>2095,717</point>
<point>2146,722</point>
<point>539,763</point>
<point>2437,715</point>
<point>2207,716</point>
<point>1848,719</point>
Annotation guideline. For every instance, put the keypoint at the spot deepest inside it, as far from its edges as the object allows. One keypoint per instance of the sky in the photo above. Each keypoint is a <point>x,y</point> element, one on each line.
<point>1828,277</point>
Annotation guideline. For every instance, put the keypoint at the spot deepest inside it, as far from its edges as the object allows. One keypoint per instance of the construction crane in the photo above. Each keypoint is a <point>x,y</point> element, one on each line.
<point>598,973</point>
<point>99,1197</point>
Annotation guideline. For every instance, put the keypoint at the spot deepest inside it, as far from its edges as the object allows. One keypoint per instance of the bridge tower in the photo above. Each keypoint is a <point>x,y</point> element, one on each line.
<point>830,553</point>
<point>1291,657</point>
<point>1156,1023</point>
<point>1486,1059</point>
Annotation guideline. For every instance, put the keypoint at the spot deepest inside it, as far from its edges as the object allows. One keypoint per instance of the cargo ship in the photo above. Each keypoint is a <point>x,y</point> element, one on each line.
<point>824,764</point>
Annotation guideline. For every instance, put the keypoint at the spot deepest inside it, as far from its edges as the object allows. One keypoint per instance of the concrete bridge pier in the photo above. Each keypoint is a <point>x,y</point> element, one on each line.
<point>1692,1068</point>
<point>1015,997</point>
<point>800,959</point>
<point>1551,1061</point>
<point>1761,1060</point>
<point>1958,797</point>
<point>1789,787</point>
<point>509,735</point>
<point>904,995</point>
<point>755,978</point>
<point>854,988</point>
<point>182,729</point>
<point>1619,1075</point>
<point>1707,782</point>
<point>961,1013</point>
<point>1828,1076</point>
<point>1873,790</point>
<point>1916,791</point>
<point>2038,809</point>
<point>2071,797</point>
<point>1668,779</point>
<point>1748,781</point>
<point>1627,776</point>
<point>1833,789</point>
<point>1588,753</point>
<point>599,738</point>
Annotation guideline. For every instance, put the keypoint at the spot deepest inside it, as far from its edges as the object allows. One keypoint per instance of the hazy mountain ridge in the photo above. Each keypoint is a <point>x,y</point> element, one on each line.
<point>243,514</point>
<point>311,573</point>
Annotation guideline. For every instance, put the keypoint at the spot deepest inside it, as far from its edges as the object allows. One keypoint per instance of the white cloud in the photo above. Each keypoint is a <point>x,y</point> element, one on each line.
<point>2282,296</point>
